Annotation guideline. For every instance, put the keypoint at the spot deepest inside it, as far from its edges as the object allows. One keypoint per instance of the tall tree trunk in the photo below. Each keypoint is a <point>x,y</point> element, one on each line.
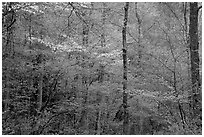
<point>186,36</point>
<point>125,122</point>
<point>139,21</point>
<point>85,41</point>
<point>30,29</point>
<point>194,54</point>
<point>186,41</point>
<point>139,36</point>
<point>9,47</point>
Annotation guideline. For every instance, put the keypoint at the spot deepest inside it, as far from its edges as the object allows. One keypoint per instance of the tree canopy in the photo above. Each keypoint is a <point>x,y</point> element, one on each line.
<point>101,68</point>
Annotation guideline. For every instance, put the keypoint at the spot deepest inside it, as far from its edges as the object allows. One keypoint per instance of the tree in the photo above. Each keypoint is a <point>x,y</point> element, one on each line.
<point>194,56</point>
<point>75,69</point>
<point>125,111</point>
<point>139,21</point>
<point>9,19</point>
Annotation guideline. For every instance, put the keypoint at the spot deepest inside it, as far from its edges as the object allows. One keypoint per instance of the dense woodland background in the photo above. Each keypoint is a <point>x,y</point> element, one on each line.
<point>101,68</point>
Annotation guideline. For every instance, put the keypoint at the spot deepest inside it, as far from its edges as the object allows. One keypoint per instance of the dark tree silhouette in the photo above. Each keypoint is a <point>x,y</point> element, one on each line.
<point>194,46</point>
<point>125,122</point>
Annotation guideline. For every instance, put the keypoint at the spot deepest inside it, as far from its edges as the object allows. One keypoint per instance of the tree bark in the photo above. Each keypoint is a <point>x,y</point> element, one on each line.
<point>85,33</point>
<point>9,47</point>
<point>40,89</point>
<point>194,47</point>
<point>139,36</point>
<point>85,27</point>
<point>100,101</point>
<point>103,41</point>
<point>98,125</point>
<point>125,122</point>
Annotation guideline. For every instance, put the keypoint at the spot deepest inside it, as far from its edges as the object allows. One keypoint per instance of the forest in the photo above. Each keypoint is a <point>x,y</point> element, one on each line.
<point>101,68</point>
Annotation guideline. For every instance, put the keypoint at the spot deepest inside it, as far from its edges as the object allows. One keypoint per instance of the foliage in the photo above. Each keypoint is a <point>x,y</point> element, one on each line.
<point>81,86</point>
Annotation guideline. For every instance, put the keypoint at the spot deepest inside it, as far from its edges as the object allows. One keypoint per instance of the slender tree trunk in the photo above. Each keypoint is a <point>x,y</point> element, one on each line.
<point>125,122</point>
<point>85,42</point>
<point>101,73</point>
<point>85,33</point>
<point>84,120</point>
<point>103,41</point>
<point>186,37</point>
<point>185,31</point>
<point>100,100</point>
<point>30,29</point>
<point>40,88</point>
<point>139,36</point>
<point>7,100</point>
<point>194,54</point>
<point>85,27</point>
<point>186,41</point>
<point>98,129</point>
<point>10,20</point>
<point>107,113</point>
